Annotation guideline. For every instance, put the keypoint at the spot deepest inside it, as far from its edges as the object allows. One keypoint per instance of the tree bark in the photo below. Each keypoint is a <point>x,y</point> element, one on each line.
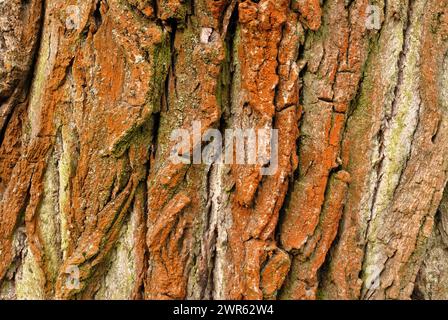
<point>91,91</point>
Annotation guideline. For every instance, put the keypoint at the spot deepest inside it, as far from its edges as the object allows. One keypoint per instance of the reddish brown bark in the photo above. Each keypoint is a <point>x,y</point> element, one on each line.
<point>89,97</point>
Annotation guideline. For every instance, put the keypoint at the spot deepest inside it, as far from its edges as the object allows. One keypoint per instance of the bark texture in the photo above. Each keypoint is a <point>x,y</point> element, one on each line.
<point>91,90</point>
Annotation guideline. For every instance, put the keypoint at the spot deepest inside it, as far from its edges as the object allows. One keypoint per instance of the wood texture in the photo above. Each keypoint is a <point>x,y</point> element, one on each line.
<point>91,91</point>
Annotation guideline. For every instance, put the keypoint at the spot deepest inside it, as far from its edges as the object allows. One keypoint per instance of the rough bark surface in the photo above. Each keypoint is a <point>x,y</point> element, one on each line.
<point>90,92</point>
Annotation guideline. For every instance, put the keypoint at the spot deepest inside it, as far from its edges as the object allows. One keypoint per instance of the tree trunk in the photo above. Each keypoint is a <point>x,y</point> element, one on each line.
<point>93,207</point>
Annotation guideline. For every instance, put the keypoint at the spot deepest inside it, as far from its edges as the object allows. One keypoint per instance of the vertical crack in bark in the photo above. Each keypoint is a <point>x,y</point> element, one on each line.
<point>334,69</point>
<point>22,35</point>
